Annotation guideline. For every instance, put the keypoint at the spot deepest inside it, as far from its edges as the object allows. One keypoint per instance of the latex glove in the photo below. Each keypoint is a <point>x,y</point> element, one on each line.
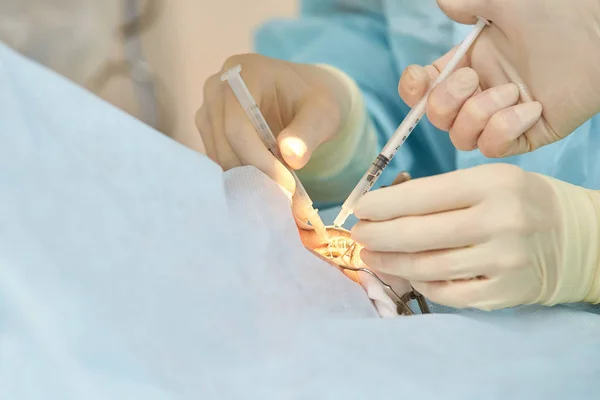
<point>309,108</point>
<point>536,53</point>
<point>489,237</point>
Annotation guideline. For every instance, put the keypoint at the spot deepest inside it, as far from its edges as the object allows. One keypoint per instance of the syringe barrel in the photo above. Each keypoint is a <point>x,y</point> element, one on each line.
<point>407,126</point>
<point>233,77</point>
<point>363,186</point>
<point>262,129</point>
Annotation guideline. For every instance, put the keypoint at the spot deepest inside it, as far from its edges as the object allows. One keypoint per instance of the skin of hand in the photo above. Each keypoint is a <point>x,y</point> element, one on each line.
<point>463,239</point>
<point>304,106</point>
<point>530,79</point>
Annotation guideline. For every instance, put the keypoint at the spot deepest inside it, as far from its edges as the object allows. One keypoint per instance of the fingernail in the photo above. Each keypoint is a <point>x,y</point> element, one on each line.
<point>293,149</point>
<point>463,83</point>
<point>412,76</point>
<point>528,113</point>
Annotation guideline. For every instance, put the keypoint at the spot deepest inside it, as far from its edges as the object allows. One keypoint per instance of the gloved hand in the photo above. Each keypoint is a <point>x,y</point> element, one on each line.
<point>530,79</point>
<point>488,237</point>
<point>311,109</point>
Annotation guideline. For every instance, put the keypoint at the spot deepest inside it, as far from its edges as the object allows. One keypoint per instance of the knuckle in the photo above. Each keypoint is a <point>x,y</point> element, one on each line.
<point>474,112</point>
<point>511,177</point>
<point>462,82</point>
<point>505,176</point>
<point>499,123</point>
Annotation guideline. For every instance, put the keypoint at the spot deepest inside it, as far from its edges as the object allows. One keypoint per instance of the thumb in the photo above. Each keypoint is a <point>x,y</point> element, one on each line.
<point>314,124</point>
<point>467,11</point>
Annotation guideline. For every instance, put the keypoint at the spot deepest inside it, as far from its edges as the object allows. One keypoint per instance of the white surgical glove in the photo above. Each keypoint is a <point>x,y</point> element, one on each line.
<point>536,55</point>
<point>488,237</point>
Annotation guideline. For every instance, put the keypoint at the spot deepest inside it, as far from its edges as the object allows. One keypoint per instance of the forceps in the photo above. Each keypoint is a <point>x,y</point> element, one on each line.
<point>401,301</point>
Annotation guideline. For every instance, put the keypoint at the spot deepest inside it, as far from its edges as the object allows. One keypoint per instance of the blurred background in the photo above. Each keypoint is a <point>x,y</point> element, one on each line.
<point>147,57</point>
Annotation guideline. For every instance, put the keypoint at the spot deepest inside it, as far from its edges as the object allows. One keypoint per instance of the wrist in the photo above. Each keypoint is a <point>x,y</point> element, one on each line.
<point>332,156</point>
<point>577,275</point>
<point>593,295</point>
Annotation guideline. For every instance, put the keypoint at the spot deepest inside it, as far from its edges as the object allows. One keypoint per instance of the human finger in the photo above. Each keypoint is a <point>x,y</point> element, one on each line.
<point>436,265</point>
<point>477,111</point>
<point>447,98</point>
<point>433,194</point>
<point>316,121</point>
<point>416,80</point>
<point>447,230</point>
<point>504,133</point>
<point>413,84</point>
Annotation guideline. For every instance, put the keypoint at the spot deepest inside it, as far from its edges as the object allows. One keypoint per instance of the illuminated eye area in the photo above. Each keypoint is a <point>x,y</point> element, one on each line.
<point>341,250</point>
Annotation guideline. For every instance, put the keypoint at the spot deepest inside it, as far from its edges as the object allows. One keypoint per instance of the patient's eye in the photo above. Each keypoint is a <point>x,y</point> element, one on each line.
<point>340,250</point>
<point>344,252</point>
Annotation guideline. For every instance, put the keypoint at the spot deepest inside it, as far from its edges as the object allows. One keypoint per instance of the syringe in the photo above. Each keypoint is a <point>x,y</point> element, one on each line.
<point>404,130</point>
<point>303,205</point>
